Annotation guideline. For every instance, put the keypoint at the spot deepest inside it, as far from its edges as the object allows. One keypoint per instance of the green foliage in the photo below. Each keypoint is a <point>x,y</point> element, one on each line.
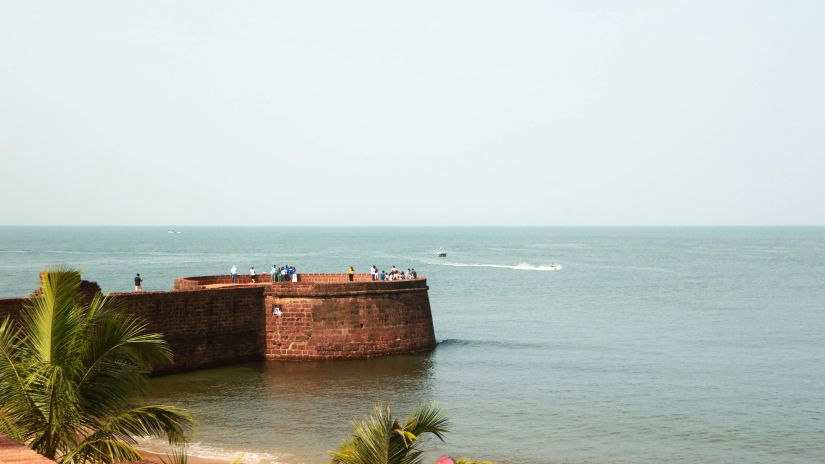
<point>382,439</point>
<point>178,455</point>
<point>70,375</point>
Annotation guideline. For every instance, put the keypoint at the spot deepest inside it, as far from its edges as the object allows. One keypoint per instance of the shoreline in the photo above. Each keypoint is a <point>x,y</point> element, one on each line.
<point>153,457</point>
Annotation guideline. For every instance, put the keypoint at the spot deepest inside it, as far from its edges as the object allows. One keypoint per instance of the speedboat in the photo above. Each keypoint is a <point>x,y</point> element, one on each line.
<point>441,253</point>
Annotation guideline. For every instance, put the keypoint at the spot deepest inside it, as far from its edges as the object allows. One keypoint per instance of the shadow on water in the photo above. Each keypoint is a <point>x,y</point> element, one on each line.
<point>291,409</point>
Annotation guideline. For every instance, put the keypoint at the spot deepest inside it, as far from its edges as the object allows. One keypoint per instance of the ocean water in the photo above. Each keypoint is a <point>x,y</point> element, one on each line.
<point>650,345</point>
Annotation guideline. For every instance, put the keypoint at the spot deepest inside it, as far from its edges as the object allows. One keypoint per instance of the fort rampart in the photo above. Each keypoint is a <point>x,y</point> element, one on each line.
<point>208,321</point>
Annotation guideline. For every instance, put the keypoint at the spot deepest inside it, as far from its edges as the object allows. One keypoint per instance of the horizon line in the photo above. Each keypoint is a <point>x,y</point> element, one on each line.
<point>320,226</point>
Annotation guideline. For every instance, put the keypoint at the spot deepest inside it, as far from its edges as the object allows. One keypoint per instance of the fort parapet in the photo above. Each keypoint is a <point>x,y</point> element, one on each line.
<point>209,321</point>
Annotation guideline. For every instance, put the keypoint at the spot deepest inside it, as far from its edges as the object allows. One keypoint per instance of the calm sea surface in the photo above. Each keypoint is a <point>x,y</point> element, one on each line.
<point>650,345</point>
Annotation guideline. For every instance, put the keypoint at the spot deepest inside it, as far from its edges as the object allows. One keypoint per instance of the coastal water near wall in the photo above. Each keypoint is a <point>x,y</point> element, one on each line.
<point>209,322</point>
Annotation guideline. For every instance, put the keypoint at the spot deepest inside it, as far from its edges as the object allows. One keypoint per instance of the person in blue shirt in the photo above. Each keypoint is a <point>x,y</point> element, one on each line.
<point>383,275</point>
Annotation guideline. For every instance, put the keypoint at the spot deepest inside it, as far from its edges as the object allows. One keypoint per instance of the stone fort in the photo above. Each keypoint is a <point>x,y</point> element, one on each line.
<point>209,321</point>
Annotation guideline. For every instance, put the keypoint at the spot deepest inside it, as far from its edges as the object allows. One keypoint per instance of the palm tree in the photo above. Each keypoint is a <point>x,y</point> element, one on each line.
<point>70,374</point>
<point>381,439</point>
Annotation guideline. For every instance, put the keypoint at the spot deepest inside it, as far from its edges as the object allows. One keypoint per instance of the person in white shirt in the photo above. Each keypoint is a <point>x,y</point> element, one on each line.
<point>252,274</point>
<point>374,272</point>
<point>234,274</point>
<point>273,274</point>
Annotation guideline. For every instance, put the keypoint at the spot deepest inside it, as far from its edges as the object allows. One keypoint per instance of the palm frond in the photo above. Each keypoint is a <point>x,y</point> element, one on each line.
<point>101,450</point>
<point>427,418</point>
<point>55,396</point>
<point>178,455</point>
<point>123,333</point>
<point>18,412</point>
<point>381,439</point>
<point>148,421</point>
<point>115,358</point>
<point>51,319</point>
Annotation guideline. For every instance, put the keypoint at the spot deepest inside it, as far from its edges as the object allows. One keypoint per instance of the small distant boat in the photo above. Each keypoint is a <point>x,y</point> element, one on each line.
<point>441,253</point>
<point>172,231</point>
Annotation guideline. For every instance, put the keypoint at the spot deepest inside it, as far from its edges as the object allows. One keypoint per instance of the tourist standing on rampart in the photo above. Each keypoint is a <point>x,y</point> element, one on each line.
<point>351,273</point>
<point>233,273</point>
<point>138,282</point>
<point>273,274</point>
<point>252,274</point>
<point>374,272</point>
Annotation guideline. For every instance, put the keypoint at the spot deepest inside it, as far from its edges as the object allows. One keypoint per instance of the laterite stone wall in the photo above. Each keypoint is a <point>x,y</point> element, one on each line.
<point>10,307</point>
<point>204,328</point>
<point>348,320</point>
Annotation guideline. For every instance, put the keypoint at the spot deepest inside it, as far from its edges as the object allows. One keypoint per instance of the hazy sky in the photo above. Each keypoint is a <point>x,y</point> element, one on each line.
<point>422,112</point>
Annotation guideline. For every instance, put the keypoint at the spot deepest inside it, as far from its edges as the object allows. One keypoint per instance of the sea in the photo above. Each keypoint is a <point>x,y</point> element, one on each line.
<point>555,345</point>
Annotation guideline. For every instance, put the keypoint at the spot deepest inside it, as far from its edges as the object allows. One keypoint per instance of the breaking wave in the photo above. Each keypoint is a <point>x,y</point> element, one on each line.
<point>204,451</point>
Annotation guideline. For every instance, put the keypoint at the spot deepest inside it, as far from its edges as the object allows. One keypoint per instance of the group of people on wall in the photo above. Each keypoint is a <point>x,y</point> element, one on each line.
<point>286,273</point>
<point>394,273</point>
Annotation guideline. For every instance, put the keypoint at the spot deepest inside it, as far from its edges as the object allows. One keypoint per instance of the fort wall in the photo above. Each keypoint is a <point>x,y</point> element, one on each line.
<point>339,320</point>
<point>208,321</point>
<point>204,328</point>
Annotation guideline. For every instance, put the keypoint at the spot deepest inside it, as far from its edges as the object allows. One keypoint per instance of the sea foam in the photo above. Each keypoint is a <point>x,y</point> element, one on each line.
<point>206,451</point>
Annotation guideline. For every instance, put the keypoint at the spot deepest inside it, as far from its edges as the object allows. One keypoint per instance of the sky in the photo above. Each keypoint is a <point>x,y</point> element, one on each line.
<point>412,113</point>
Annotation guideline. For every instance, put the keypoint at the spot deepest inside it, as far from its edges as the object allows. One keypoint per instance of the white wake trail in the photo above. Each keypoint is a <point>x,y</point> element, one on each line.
<point>517,267</point>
